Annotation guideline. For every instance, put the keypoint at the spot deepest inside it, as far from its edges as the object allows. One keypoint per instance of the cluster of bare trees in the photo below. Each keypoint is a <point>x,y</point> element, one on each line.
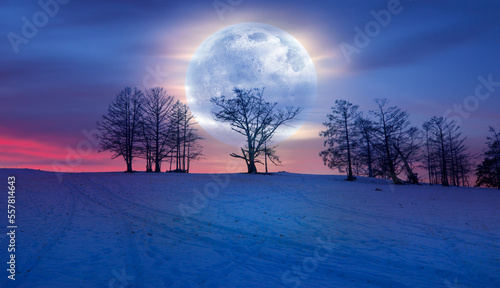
<point>383,143</point>
<point>446,158</point>
<point>152,126</point>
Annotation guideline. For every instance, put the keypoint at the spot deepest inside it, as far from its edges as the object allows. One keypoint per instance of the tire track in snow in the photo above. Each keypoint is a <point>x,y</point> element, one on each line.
<point>401,222</point>
<point>105,201</point>
<point>195,221</point>
<point>50,240</point>
<point>411,230</point>
<point>239,260</point>
<point>236,259</point>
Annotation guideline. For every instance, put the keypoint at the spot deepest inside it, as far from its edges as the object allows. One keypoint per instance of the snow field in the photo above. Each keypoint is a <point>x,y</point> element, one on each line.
<point>284,230</point>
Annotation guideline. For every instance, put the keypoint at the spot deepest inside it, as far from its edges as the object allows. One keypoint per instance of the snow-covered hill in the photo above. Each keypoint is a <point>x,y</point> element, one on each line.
<point>284,230</point>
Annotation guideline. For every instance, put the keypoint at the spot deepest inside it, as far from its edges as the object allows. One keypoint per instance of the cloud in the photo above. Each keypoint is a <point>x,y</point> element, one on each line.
<point>62,81</point>
<point>410,38</point>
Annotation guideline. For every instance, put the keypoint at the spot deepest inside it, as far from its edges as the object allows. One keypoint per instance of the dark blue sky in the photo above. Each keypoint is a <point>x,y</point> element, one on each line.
<point>426,59</point>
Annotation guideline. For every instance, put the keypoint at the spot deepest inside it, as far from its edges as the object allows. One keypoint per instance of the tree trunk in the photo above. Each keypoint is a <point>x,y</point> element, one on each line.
<point>188,157</point>
<point>251,167</point>
<point>428,158</point>
<point>157,166</point>
<point>178,148</point>
<point>265,155</point>
<point>497,166</point>
<point>370,168</point>
<point>392,169</point>
<point>444,173</point>
<point>184,140</point>
<point>453,171</point>
<point>157,146</point>
<point>413,177</point>
<point>149,167</point>
<point>251,164</point>
<point>171,160</point>
<point>349,176</point>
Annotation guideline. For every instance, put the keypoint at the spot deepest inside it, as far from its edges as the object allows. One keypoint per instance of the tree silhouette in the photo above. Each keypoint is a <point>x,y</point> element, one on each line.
<point>184,138</point>
<point>384,144</point>
<point>157,111</point>
<point>255,119</point>
<point>365,130</point>
<point>488,172</point>
<point>447,159</point>
<point>390,123</point>
<point>407,146</point>
<point>439,125</point>
<point>430,164</point>
<point>152,127</point>
<point>339,133</point>
<point>120,127</point>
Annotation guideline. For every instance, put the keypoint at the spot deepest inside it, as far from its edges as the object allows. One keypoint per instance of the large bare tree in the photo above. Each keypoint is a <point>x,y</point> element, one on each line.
<point>120,127</point>
<point>255,119</point>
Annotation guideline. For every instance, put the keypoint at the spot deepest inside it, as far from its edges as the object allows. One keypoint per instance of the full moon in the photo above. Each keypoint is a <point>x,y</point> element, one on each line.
<point>246,56</point>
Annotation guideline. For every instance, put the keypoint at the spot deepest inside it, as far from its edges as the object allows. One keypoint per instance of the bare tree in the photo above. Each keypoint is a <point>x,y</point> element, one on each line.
<point>147,146</point>
<point>194,149</point>
<point>191,149</point>
<point>256,120</point>
<point>488,172</point>
<point>407,146</point>
<point>270,153</point>
<point>158,108</point>
<point>459,158</point>
<point>430,163</point>
<point>464,165</point>
<point>365,130</point>
<point>448,161</point>
<point>120,128</point>
<point>389,124</point>
<point>339,132</point>
<point>184,139</point>
<point>438,126</point>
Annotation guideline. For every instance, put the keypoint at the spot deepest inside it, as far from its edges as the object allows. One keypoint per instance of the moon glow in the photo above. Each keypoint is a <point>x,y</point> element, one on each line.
<point>246,56</point>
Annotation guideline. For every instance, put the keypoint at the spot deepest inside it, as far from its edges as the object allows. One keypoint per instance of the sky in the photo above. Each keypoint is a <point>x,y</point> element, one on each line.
<point>63,62</point>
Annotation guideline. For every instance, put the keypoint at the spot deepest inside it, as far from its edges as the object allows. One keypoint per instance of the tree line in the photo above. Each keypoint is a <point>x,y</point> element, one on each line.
<point>150,125</point>
<point>155,127</point>
<point>383,143</point>
<point>380,143</point>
